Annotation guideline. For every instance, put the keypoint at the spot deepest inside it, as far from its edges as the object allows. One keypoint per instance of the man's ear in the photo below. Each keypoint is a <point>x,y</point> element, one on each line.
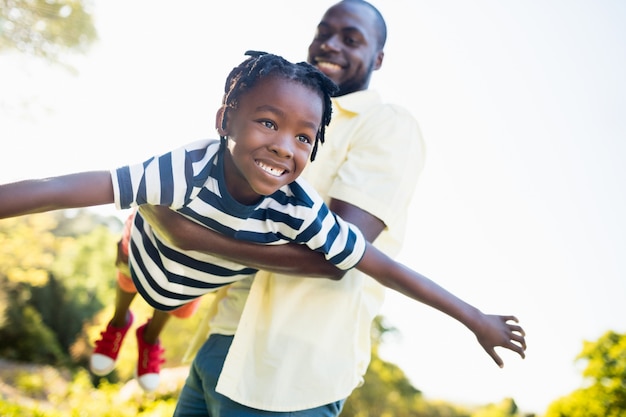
<point>221,121</point>
<point>379,60</point>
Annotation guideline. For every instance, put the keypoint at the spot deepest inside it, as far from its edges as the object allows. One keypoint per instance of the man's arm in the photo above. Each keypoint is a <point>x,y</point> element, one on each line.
<point>369,225</point>
<point>290,259</point>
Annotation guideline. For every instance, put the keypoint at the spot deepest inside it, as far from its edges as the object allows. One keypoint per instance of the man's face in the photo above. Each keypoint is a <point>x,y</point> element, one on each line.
<point>345,46</point>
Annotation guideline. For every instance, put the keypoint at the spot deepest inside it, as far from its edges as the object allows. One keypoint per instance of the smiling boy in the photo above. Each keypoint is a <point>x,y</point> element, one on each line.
<point>244,185</point>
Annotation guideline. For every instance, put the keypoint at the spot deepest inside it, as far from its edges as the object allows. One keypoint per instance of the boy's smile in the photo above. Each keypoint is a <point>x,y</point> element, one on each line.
<point>277,172</point>
<point>271,135</point>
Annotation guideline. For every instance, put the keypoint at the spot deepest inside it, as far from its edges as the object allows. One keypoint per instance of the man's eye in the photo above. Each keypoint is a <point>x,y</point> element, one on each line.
<point>321,35</point>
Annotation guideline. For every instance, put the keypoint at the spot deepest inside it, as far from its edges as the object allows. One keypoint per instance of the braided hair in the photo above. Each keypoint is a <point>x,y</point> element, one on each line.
<point>260,65</point>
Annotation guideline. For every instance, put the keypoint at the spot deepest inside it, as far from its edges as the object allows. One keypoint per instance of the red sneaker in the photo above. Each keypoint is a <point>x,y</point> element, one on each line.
<point>149,362</point>
<point>104,356</point>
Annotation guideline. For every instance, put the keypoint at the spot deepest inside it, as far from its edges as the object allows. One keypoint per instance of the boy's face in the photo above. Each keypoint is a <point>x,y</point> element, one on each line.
<point>271,135</point>
<point>345,46</point>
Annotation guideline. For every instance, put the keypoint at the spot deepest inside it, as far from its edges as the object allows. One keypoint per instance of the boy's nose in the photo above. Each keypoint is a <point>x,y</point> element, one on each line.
<point>282,147</point>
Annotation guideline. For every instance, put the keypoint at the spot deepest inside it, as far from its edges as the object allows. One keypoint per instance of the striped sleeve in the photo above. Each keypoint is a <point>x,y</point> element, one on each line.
<point>166,180</point>
<point>342,243</point>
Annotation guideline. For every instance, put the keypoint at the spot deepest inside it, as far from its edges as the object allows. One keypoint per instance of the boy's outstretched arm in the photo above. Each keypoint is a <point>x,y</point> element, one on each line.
<point>490,330</point>
<point>67,191</point>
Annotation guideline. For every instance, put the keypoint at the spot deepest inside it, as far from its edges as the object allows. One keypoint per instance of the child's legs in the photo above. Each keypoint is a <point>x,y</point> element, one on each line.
<point>123,299</point>
<point>199,398</point>
<point>155,326</point>
<point>160,319</point>
<point>126,290</point>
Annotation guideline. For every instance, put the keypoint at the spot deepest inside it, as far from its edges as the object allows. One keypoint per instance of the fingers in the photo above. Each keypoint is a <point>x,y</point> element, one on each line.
<point>517,339</point>
<point>518,346</point>
<point>502,331</point>
<point>517,329</point>
<point>509,318</point>
<point>517,332</point>
<point>496,358</point>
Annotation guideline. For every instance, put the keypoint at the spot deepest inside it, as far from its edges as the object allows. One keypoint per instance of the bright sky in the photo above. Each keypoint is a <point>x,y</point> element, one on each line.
<point>518,211</point>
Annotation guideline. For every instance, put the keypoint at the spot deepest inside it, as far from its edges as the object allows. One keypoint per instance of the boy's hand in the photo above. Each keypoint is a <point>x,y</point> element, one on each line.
<point>499,331</point>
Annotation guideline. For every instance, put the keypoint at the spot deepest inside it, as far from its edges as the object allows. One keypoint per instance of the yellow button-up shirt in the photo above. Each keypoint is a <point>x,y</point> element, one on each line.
<point>302,343</point>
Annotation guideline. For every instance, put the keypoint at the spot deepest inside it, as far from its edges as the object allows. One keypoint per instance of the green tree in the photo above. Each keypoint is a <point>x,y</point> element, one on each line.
<point>46,28</point>
<point>50,284</point>
<point>505,408</point>
<point>27,249</point>
<point>83,273</point>
<point>605,373</point>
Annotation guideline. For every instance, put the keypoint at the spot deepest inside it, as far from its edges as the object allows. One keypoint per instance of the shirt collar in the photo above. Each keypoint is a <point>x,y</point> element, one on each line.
<point>356,102</point>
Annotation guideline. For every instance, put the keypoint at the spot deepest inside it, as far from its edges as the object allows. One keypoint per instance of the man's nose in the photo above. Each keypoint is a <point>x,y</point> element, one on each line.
<point>331,44</point>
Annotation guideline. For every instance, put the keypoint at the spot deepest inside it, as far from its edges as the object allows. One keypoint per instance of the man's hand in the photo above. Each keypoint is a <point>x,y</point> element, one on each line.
<point>177,230</point>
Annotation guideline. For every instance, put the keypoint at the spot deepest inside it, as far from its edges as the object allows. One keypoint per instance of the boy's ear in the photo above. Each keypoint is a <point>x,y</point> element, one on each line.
<point>221,121</point>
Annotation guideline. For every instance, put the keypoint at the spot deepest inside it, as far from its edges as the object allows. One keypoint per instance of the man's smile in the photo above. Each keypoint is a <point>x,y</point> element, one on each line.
<point>327,67</point>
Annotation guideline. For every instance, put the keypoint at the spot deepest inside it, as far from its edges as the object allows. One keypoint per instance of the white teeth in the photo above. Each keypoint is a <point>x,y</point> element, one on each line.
<point>271,170</point>
<point>328,66</point>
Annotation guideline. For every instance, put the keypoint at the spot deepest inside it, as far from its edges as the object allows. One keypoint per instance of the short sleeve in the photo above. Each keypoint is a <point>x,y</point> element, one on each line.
<point>385,159</point>
<point>166,179</point>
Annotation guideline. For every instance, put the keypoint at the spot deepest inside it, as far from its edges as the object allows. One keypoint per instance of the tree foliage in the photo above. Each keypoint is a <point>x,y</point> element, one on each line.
<point>50,284</point>
<point>46,28</point>
<point>505,408</point>
<point>605,373</point>
<point>51,394</point>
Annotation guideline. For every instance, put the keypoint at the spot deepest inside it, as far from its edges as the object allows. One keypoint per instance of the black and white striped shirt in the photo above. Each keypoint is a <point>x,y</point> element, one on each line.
<point>190,180</point>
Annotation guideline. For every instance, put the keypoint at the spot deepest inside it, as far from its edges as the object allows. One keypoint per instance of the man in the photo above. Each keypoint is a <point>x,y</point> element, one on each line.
<point>302,346</point>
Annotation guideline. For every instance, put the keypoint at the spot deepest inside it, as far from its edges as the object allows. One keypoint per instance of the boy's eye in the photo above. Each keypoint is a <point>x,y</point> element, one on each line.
<point>304,139</point>
<point>268,124</point>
